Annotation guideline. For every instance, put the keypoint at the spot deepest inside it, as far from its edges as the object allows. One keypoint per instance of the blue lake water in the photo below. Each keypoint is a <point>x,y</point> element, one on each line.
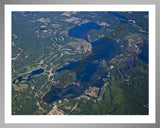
<point>70,91</point>
<point>107,53</point>
<point>26,13</point>
<point>38,71</point>
<point>42,29</point>
<point>122,19</point>
<point>144,55</point>
<point>82,30</point>
<point>118,16</point>
<point>86,75</point>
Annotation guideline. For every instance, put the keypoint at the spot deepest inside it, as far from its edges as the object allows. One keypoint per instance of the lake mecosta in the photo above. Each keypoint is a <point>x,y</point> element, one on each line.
<point>86,75</point>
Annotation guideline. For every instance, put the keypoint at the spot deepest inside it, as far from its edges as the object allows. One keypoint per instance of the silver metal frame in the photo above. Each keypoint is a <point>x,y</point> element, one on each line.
<point>3,2</point>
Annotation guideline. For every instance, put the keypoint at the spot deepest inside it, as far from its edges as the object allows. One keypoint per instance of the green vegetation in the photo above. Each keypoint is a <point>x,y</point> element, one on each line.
<point>40,40</point>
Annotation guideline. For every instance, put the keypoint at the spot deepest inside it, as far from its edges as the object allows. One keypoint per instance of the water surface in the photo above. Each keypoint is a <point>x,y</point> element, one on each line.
<point>82,30</point>
<point>38,71</point>
<point>86,76</point>
<point>144,55</point>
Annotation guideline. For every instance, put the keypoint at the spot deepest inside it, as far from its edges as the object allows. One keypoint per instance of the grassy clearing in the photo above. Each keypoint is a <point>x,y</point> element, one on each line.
<point>21,87</point>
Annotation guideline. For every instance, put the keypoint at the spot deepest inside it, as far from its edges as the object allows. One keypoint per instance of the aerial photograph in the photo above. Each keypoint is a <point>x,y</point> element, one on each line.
<point>80,63</point>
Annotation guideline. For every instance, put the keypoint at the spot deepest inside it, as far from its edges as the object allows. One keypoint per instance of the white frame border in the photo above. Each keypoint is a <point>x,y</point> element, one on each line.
<point>79,119</point>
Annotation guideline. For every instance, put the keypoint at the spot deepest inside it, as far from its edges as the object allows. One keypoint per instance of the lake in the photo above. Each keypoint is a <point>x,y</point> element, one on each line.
<point>82,30</point>
<point>87,76</point>
<point>144,55</point>
<point>38,71</point>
